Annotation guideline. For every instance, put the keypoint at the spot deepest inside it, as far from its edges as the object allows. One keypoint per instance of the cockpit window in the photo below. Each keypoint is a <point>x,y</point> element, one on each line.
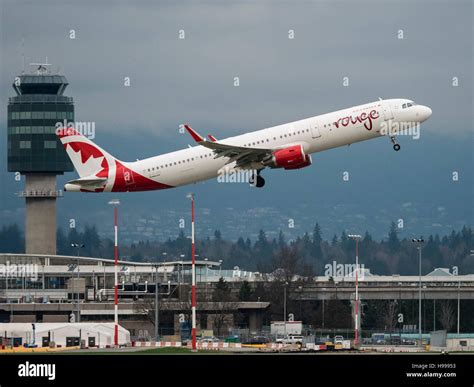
<point>407,105</point>
<point>404,106</point>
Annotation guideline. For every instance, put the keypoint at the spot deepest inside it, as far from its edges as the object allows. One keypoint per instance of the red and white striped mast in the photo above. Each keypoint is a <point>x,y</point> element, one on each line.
<point>115,203</point>
<point>356,319</point>
<point>193,270</point>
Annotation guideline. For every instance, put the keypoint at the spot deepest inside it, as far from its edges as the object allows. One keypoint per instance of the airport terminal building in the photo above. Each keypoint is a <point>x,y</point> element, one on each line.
<point>39,288</point>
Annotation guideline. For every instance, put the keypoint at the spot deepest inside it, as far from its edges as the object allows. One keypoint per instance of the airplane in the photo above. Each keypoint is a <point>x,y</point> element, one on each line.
<point>288,146</point>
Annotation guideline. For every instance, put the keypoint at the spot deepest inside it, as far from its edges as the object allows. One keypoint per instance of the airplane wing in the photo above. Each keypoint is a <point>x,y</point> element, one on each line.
<point>241,155</point>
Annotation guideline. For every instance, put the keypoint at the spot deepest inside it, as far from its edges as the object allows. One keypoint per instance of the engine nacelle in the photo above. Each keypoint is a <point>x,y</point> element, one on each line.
<point>292,157</point>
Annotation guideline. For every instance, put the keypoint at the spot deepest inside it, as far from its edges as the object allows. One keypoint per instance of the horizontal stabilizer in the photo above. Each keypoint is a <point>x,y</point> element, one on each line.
<point>89,180</point>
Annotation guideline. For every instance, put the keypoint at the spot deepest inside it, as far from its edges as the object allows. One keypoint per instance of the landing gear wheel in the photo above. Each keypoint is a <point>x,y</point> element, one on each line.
<point>396,147</point>
<point>256,180</point>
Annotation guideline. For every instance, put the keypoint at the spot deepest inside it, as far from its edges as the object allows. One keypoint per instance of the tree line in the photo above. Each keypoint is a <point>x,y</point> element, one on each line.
<point>391,255</point>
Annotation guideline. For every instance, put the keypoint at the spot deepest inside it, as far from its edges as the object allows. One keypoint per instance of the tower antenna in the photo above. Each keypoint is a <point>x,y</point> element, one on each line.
<point>23,54</point>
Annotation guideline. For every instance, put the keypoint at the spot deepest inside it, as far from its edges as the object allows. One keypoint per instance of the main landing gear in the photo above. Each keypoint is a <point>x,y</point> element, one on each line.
<point>396,145</point>
<point>256,180</point>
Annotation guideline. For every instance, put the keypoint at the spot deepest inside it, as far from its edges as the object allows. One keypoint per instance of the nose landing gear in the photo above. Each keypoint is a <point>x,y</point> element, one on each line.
<point>396,145</point>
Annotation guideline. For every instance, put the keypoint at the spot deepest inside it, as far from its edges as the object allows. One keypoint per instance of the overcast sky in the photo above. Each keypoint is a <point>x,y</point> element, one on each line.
<point>281,79</point>
<point>192,80</point>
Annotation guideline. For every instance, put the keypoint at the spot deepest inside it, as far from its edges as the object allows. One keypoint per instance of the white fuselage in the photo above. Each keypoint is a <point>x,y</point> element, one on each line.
<point>315,134</point>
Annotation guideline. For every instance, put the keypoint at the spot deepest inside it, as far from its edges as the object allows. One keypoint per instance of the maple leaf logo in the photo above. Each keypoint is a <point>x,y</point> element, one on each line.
<point>91,166</point>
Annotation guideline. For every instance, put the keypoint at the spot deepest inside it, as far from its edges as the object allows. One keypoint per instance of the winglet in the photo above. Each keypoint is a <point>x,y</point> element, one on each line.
<point>212,138</point>
<point>195,135</point>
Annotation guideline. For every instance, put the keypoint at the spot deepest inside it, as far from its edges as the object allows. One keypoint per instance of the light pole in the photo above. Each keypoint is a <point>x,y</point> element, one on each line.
<point>284,306</point>
<point>181,273</point>
<point>157,305</point>
<point>418,242</point>
<point>400,309</point>
<point>323,314</point>
<point>220,267</point>
<point>205,279</point>
<point>356,237</point>
<point>459,302</point>
<point>115,203</point>
<point>193,270</point>
<point>79,246</point>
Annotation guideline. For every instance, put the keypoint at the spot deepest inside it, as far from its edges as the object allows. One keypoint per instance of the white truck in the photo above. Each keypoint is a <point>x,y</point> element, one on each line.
<point>290,339</point>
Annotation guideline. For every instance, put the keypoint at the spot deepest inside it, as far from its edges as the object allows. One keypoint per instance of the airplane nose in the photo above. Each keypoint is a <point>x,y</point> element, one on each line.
<point>424,113</point>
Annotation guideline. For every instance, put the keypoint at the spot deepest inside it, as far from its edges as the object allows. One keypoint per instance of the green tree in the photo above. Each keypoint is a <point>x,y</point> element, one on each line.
<point>317,240</point>
<point>221,291</point>
<point>393,241</point>
<point>245,292</point>
<point>281,240</point>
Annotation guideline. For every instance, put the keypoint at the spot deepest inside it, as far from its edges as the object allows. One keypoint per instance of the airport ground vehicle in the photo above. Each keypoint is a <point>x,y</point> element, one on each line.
<point>232,339</point>
<point>290,339</point>
<point>258,340</point>
<point>338,340</point>
<point>208,339</point>
<point>378,338</point>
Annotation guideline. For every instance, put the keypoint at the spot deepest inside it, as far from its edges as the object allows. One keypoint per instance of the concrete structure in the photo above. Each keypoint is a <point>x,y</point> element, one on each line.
<point>35,152</point>
<point>40,288</point>
<point>63,334</point>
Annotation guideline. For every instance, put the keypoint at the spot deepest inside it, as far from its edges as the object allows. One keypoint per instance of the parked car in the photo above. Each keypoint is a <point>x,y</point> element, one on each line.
<point>290,339</point>
<point>338,340</point>
<point>232,339</point>
<point>378,338</point>
<point>258,340</point>
<point>208,339</point>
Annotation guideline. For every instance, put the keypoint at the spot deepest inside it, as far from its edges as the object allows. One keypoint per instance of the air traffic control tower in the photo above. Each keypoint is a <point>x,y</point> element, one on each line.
<point>35,152</point>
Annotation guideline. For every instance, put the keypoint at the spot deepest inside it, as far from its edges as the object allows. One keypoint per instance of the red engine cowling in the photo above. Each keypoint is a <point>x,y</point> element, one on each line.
<point>292,157</point>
